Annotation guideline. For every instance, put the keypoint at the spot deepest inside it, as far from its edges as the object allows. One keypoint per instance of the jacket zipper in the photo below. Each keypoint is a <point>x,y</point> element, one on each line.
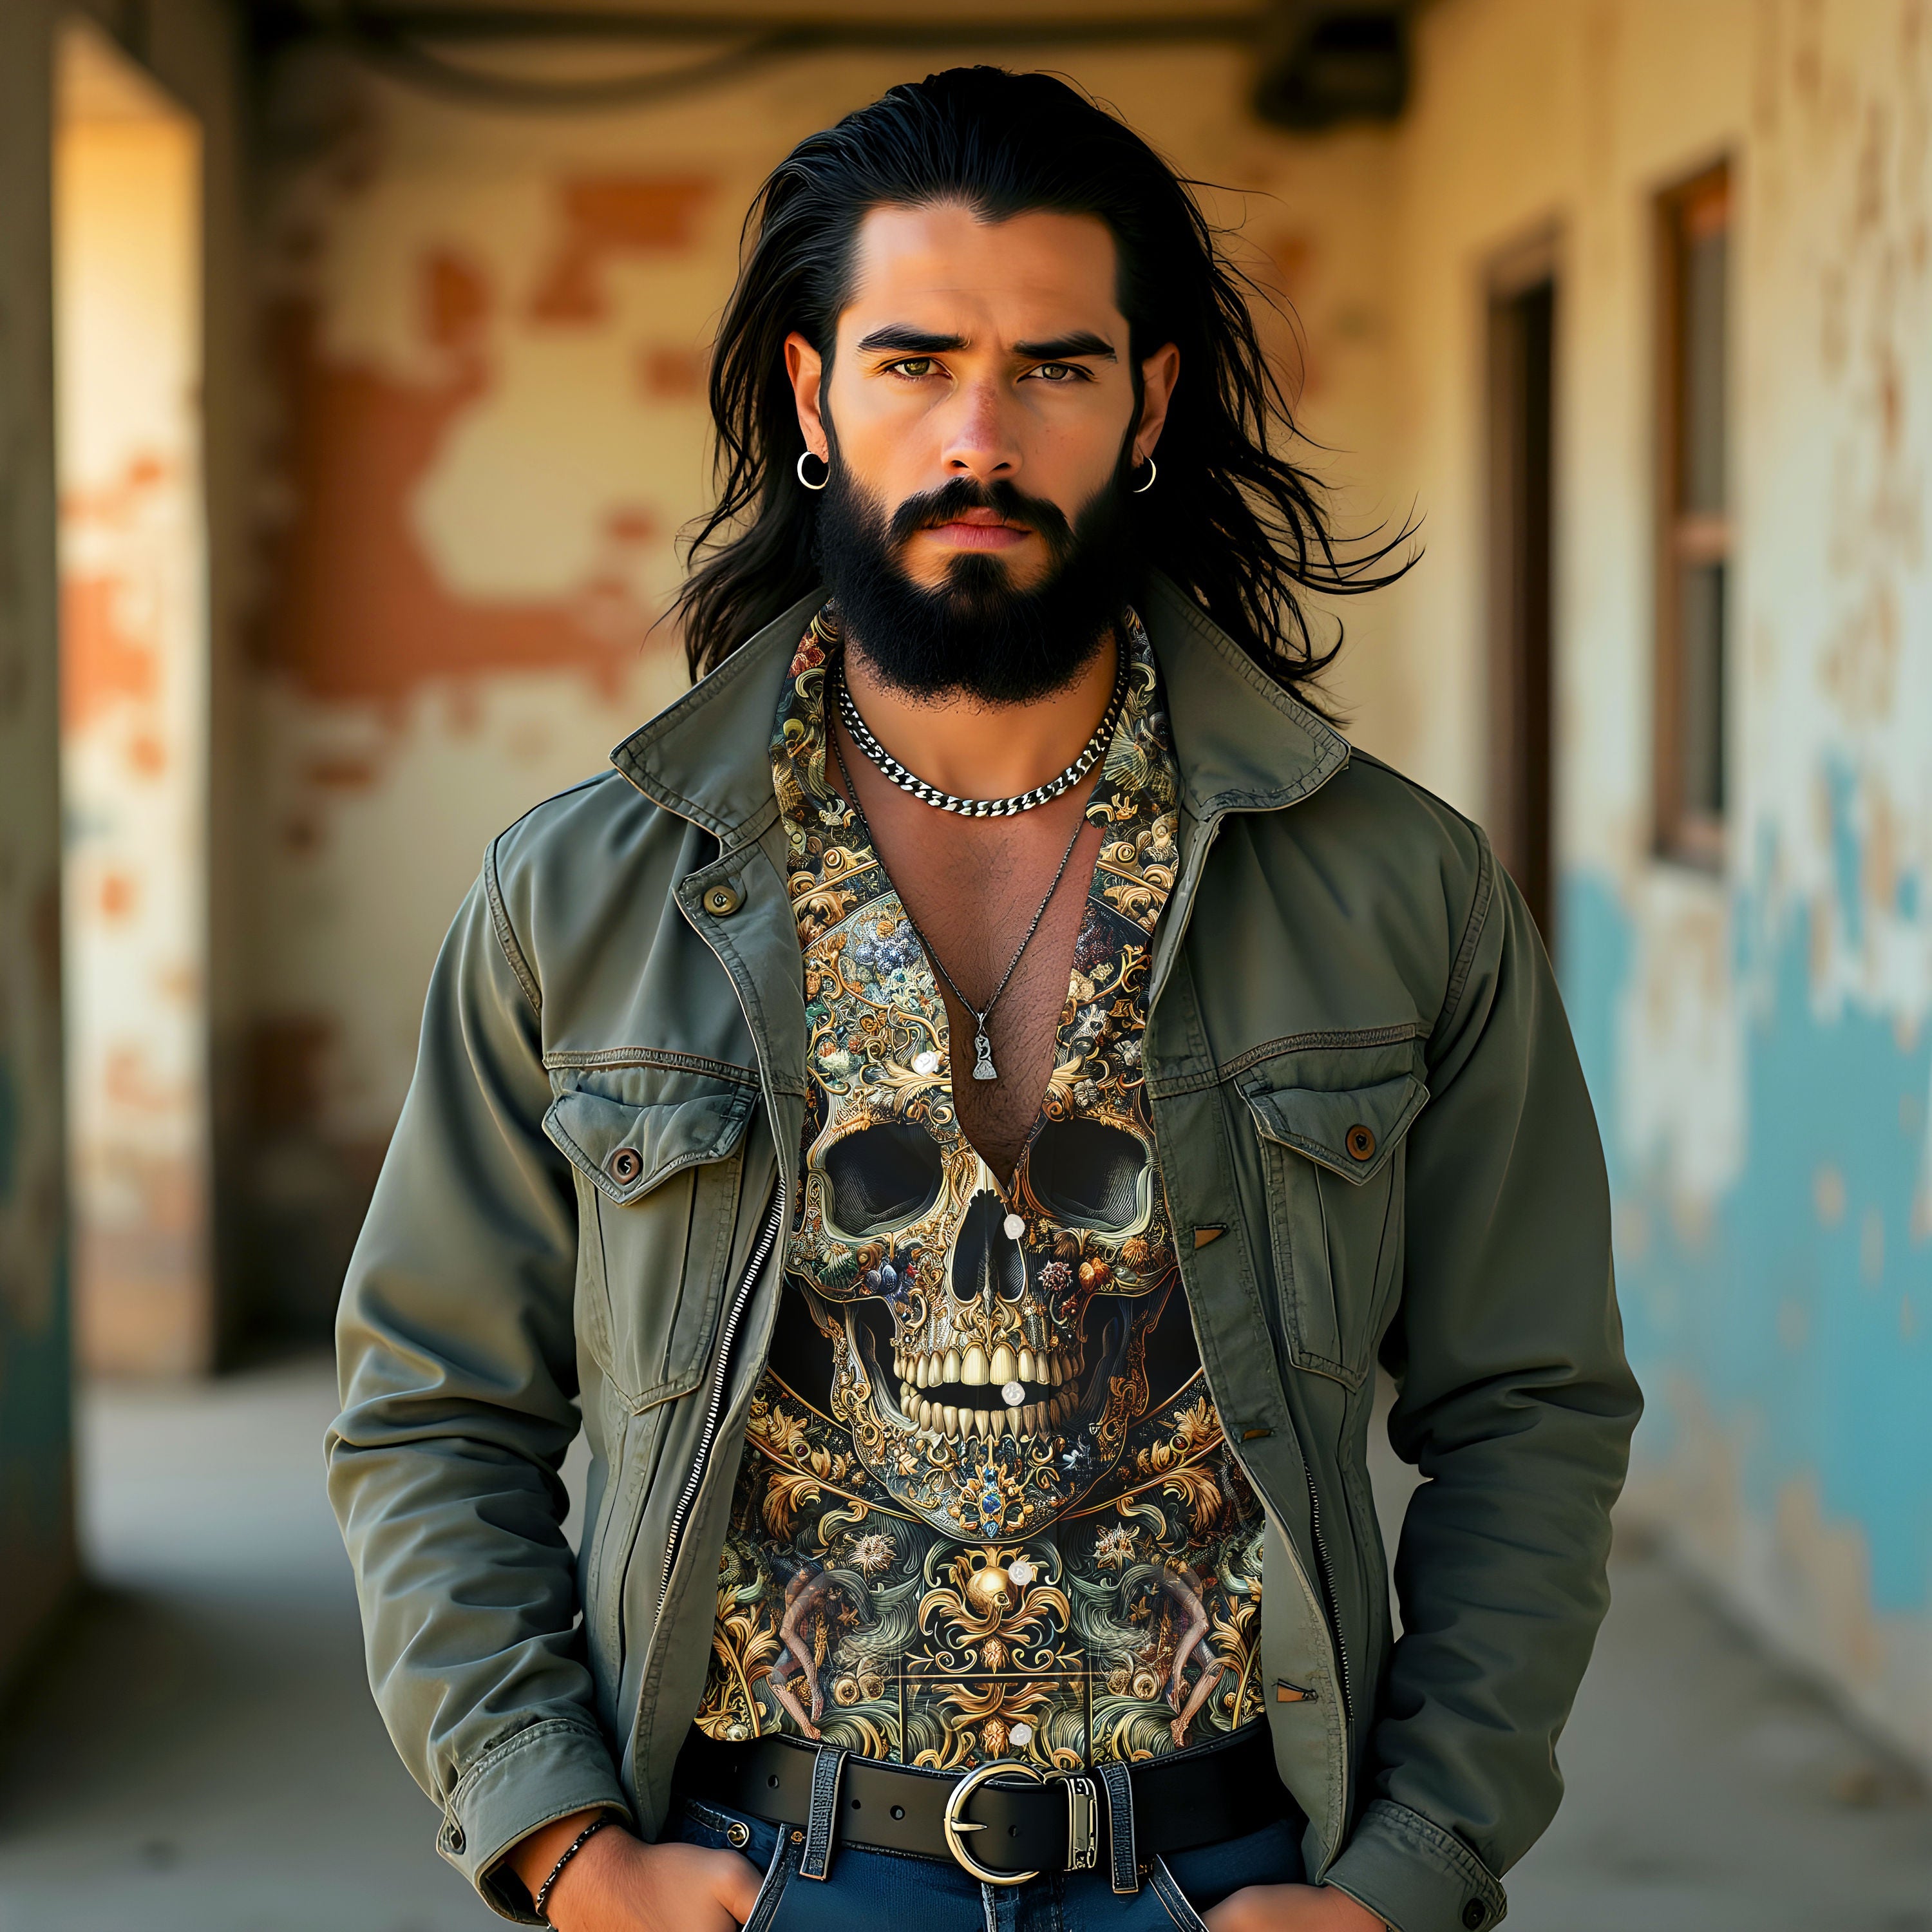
<point>1328,1591</point>
<point>714,1407</point>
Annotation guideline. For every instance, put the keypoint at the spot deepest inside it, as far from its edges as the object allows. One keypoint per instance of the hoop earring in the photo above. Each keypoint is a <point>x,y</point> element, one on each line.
<point>1141,489</point>
<point>799,466</point>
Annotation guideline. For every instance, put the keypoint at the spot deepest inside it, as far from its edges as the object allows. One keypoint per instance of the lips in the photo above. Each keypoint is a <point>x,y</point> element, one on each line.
<point>937,1393</point>
<point>979,536</point>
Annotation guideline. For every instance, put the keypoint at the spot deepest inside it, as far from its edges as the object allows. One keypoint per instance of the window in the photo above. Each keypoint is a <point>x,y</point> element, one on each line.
<point>1694,563</point>
<point>1522,300</point>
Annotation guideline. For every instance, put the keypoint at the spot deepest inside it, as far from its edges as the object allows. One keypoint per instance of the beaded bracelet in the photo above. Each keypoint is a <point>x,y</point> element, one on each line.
<point>576,1845</point>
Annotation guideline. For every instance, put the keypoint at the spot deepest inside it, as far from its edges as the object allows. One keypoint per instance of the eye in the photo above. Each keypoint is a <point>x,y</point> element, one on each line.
<point>882,1176</point>
<point>912,366</point>
<point>1061,372</point>
<point>1087,1174</point>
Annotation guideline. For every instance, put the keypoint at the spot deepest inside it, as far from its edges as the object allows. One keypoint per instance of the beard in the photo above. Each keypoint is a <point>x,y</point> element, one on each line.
<point>976,635</point>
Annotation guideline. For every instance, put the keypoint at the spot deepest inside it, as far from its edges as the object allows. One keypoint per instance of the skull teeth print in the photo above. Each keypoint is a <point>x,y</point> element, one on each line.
<point>1057,1403</point>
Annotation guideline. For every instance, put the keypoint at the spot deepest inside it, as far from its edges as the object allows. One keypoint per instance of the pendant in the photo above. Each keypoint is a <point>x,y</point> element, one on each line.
<point>983,1060</point>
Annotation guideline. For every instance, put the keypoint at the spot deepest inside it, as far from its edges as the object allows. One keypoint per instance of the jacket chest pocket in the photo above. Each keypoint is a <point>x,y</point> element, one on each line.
<point>1334,1164</point>
<point>657,1195</point>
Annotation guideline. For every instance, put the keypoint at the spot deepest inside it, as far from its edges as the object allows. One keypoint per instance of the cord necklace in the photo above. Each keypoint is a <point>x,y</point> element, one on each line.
<point>983,1068</point>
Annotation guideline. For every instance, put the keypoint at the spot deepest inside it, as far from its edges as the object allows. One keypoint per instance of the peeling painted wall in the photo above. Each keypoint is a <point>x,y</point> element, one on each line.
<point>481,339</point>
<point>134,710</point>
<point>483,346</point>
<point>1756,1041</point>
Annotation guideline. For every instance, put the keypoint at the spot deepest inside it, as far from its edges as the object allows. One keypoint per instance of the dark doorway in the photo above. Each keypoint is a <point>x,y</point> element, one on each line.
<point>1521,381</point>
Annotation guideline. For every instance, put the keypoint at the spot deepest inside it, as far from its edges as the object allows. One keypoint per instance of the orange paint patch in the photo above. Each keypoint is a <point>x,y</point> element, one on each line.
<point>607,215</point>
<point>356,609</point>
<point>147,756</point>
<point>341,773</point>
<point>671,375</point>
<point>115,505</point>
<point>127,1082</point>
<point>456,301</point>
<point>1292,257</point>
<point>630,526</point>
<point>103,663</point>
<point>117,894</point>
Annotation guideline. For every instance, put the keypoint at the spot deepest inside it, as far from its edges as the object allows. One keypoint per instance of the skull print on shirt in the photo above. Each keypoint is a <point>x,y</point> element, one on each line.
<point>985,1508</point>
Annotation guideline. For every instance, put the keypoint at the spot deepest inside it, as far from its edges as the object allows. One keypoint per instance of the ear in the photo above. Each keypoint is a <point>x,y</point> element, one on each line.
<point>1159,374</point>
<point>806,368</point>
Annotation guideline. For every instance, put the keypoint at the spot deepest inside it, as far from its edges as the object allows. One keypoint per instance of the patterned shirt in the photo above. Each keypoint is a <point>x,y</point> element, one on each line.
<point>986,1510</point>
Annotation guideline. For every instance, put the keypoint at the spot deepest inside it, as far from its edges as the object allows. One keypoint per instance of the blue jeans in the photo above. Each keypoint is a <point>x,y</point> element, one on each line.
<point>890,1891</point>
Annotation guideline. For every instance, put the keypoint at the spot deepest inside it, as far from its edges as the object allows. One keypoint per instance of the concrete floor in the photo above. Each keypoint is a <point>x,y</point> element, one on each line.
<point>200,1750</point>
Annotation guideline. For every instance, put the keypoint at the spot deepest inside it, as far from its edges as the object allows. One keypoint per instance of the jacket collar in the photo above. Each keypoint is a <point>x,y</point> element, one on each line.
<point>1242,743</point>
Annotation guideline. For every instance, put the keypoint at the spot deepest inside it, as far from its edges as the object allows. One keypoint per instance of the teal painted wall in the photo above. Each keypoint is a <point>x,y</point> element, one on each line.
<point>1758,1036</point>
<point>1783,1326</point>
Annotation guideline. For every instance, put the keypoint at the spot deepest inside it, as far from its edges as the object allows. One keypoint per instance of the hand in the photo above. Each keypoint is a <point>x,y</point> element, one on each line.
<point>1291,1908</point>
<point>617,1883</point>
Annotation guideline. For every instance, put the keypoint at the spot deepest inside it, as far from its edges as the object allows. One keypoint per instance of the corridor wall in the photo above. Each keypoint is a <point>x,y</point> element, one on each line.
<point>37,1550</point>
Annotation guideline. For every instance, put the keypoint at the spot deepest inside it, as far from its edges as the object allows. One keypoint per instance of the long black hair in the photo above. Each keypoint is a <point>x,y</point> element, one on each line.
<point>1233,521</point>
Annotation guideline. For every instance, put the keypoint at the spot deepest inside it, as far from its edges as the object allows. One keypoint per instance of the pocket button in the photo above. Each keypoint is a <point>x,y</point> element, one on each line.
<point>723,899</point>
<point>624,1166</point>
<point>1360,1143</point>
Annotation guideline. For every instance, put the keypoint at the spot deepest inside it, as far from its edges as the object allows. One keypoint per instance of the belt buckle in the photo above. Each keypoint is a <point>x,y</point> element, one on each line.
<point>953,1825</point>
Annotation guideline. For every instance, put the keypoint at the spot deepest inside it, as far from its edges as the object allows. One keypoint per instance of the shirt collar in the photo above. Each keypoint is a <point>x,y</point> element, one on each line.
<point>1241,742</point>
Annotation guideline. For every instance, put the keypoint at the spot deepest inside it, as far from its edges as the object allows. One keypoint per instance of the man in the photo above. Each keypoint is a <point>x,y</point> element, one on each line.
<point>961,1111</point>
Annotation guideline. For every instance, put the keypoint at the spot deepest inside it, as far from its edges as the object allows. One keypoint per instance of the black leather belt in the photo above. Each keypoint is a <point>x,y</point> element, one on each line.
<point>1020,1821</point>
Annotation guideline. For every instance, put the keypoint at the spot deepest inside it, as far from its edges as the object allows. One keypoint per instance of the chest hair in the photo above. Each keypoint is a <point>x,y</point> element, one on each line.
<point>972,887</point>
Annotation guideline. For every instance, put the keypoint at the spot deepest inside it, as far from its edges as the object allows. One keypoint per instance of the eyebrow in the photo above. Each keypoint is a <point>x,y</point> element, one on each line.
<point>1063,348</point>
<point>908,341</point>
<point>901,339</point>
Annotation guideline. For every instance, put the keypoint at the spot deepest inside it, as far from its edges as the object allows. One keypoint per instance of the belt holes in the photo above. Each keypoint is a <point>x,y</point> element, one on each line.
<point>773,1781</point>
<point>898,1811</point>
<point>1013,1830</point>
<point>855,1804</point>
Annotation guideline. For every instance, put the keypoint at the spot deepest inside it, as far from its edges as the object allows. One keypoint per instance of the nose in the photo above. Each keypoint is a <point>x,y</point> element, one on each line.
<point>985,1257</point>
<point>980,439</point>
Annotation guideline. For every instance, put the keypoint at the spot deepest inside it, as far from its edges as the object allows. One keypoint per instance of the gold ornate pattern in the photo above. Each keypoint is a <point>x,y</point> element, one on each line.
<point>987,1510</point>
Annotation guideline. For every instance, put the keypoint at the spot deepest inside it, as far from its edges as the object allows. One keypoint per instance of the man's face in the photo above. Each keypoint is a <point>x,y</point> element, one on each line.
<point>978,413</point>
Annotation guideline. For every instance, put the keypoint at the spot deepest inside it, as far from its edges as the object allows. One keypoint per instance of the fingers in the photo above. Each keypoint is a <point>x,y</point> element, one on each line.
<point>736,1888</point>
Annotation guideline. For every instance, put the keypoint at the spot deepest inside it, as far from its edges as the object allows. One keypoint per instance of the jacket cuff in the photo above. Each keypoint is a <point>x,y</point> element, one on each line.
<point>531,1778</point>
<point>1418,1877</point>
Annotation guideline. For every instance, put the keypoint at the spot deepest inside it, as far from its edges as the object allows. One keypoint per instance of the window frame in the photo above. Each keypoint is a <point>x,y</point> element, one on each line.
<point>1687,539</point>
<point>1522,750</point>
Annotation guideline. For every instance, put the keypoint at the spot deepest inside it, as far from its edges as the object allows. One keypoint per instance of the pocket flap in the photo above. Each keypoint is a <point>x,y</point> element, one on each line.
<point>1352,1133</point>
<point>627,1151</point>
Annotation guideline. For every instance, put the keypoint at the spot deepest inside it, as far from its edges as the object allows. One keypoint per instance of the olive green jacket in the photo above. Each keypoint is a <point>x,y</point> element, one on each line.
<point>1375,1141</point>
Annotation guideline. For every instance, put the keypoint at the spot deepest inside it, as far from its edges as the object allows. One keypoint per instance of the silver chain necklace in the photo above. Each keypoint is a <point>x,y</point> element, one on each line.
<point>1090,753</point>
<point>983,1068</point>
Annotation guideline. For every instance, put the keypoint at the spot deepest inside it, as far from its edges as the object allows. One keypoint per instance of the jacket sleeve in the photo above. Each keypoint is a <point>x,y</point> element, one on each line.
<point>456,1353</point>
<point>1515,1403</point>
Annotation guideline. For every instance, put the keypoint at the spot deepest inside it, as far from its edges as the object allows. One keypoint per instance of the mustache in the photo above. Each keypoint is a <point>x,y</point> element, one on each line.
<point>925,512</point>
